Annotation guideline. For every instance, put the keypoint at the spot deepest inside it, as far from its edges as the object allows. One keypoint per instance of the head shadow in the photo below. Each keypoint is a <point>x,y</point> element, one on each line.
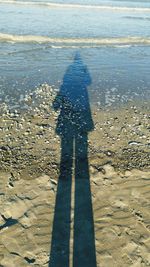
<point>73,125</point>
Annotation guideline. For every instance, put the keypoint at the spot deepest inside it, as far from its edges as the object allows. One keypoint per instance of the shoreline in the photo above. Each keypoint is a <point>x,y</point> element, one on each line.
<point>120,136</point>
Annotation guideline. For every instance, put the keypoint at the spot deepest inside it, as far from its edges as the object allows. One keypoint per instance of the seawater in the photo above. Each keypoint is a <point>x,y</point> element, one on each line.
<point>39,39</point>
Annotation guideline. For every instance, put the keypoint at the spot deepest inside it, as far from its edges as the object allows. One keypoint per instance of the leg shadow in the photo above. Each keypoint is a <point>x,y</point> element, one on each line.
<point>84,238</point>
<point>60,242</point>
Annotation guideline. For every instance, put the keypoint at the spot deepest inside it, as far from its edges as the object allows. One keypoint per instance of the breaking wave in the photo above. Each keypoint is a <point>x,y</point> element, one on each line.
<point>74,41</point>
<point>137,18</point>
<point>96,7</point>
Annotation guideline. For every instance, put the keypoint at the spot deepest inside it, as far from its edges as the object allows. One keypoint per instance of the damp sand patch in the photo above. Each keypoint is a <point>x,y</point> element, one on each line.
<point>30,145</point>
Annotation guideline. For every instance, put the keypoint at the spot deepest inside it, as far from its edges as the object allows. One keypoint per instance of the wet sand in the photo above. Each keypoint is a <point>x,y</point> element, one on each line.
<point>119,168</point>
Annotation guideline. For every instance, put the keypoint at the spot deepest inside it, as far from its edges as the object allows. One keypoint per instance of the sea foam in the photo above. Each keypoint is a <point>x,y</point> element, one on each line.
<point>74,41</point>
<point>60,5</point>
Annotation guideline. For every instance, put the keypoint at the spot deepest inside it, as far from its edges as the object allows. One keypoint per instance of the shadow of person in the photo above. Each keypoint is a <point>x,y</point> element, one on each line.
<point>74,123</point>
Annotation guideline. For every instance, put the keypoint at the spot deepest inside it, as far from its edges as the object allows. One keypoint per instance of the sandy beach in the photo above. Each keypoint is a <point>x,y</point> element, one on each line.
<point>119,171</point>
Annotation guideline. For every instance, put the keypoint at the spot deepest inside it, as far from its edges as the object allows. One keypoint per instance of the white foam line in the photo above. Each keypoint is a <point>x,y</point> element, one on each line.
<point>75,41</point>
<point>96,7</point>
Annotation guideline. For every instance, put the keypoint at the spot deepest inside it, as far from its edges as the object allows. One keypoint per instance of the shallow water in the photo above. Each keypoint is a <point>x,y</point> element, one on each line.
<point>39,39</point>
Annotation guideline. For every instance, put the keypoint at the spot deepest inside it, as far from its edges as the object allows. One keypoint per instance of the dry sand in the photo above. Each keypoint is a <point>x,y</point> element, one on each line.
<point>119,168</point>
